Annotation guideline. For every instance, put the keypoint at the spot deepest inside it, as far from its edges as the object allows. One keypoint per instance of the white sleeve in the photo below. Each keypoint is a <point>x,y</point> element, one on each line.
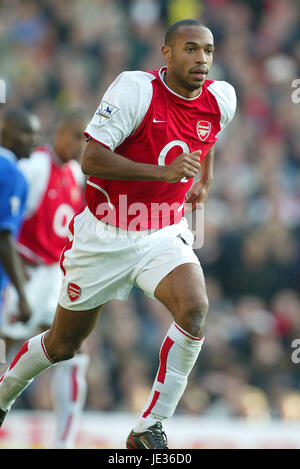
<point>226,98</point>
<point>122,109</point>
<point>36,170</point>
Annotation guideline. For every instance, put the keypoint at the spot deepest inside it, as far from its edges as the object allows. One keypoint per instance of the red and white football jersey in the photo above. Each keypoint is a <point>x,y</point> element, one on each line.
<point>145,121</point>
<point>55,195</point>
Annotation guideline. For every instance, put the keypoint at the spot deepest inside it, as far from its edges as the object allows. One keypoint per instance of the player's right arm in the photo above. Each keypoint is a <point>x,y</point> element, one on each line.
<point>11,208</point>
<point>101,162</point>
<point>118,116</point>
<point>14,268</point>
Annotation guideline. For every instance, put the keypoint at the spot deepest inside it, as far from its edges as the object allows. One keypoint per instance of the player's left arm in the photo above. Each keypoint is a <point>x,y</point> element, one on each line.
<point>198,193</point>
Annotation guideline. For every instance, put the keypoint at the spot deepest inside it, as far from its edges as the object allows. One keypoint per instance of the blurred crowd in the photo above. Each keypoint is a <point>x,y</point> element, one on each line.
<point>57,55</point>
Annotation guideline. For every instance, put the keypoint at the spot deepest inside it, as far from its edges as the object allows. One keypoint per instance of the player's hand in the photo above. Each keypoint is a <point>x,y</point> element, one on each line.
<point>185,165</point>
<point>24,312</point>
<point>198,194</point>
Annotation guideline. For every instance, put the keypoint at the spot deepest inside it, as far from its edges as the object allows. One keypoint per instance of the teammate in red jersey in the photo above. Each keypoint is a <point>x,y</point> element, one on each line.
<point>149,137</point>
<point>55,183</point>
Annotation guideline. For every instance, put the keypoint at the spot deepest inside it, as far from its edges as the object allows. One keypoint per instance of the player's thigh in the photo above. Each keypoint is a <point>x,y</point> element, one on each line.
<point>183,292</point>
<point>68,331</point>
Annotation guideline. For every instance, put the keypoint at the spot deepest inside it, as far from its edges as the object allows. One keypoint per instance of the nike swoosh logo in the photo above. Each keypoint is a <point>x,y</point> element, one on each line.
<point>156,121</point>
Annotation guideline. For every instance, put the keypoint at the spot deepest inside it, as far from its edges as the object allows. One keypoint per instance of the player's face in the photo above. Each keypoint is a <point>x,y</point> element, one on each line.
<point>71,140</point>
<point>189,59</point>
<point>25,137</point>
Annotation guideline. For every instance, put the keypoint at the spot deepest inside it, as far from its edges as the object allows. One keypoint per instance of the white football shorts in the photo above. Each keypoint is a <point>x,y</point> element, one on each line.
<point>42,292</point>
<point>103,263</point>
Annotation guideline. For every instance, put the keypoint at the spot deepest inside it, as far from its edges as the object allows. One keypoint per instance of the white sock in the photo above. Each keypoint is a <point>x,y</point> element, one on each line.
<point>30,360</point>
<point>69,393</point>
<point>178,355</point>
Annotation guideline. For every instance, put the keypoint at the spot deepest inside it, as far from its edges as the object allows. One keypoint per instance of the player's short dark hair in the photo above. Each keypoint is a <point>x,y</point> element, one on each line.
<point>68,116</point>
<point>18,117</point>
<point>173,28</point>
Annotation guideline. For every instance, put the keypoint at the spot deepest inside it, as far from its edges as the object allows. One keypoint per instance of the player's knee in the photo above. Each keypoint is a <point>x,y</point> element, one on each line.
<point>65,353</point>
<point>195,316</point>
<point>62,349</point>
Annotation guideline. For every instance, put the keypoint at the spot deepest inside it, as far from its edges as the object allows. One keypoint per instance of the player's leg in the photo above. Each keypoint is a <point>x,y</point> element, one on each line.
<point>69,381</point>
<point>183,292</point>
<point>69,389</point>
<point>68,384</point>
<point>68,331</point>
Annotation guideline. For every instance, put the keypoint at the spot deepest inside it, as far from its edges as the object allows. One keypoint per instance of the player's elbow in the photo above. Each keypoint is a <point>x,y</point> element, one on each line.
<point>91,163</point>
<point>86,162</point>
<point>88,166</point>
<point>85,166</point>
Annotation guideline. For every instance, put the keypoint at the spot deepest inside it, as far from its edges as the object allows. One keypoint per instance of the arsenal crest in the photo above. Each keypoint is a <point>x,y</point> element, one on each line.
<point>203,130</point>
<point>74,291</point>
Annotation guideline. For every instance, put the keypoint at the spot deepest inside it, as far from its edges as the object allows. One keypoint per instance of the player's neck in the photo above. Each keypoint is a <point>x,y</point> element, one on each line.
<point>178,88</point>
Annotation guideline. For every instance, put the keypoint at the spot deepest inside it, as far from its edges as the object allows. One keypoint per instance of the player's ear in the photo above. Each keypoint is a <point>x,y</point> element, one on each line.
<point>167,53</point>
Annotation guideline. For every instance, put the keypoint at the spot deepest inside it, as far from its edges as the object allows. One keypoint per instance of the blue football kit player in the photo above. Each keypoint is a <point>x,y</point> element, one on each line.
<point>13,193</point>
<point>17,137</point>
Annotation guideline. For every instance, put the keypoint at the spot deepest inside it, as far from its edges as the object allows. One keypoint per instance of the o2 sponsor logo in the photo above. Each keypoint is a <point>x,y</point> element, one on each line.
<point>61,220</point>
